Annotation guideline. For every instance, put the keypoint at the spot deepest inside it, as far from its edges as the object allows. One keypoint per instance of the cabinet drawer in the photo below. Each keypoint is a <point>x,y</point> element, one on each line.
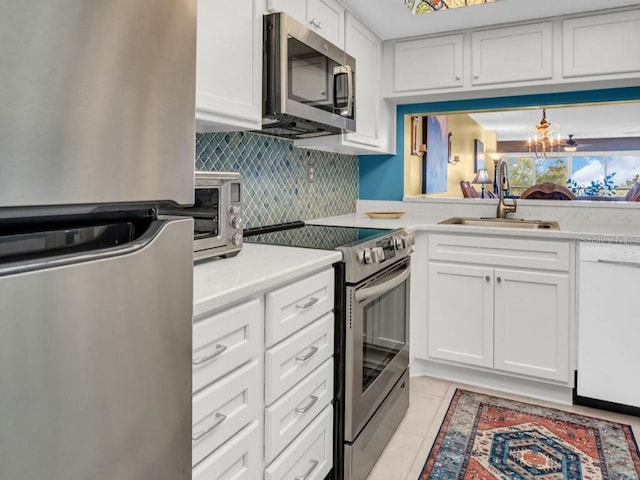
<point>286,418</point>
<point>223,408</point>
<point>310,456</point>
<point>297,305</point>
<point>503,252</point>
<point>239,458</point>
<point>290,361</point>
<point>224,341</point>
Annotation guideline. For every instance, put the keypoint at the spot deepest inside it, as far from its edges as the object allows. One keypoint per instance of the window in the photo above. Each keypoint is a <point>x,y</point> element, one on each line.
<point>582,171</point>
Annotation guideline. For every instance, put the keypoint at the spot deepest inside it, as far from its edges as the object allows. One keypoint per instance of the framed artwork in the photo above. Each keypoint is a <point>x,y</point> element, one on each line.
<point>415,136</point>
<point>478,155</point>
<point>435,162</point>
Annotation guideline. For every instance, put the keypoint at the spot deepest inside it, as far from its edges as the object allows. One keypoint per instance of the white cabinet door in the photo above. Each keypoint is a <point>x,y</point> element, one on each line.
<point>229,66</point>
<point>531,323</point>
<point>428,63</point>
<point>324,17</point>
<point>601,45</point>
<point>366,48</point>
<point>460,313</point>
<point>512,54</point>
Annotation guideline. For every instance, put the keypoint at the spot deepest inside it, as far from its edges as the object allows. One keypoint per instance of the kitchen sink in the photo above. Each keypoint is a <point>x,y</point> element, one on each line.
<point>502,222</point>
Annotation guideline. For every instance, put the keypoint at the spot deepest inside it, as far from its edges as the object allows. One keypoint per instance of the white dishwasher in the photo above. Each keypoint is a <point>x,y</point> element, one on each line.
<point>609,326</point>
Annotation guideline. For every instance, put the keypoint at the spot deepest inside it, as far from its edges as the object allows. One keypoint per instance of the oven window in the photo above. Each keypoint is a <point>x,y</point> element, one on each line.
<point>383,332</point>
<point>205,212</point>
<point>310,76</point>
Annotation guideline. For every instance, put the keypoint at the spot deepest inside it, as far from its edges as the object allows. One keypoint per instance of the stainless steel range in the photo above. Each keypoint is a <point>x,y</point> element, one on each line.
<point>372,334</point>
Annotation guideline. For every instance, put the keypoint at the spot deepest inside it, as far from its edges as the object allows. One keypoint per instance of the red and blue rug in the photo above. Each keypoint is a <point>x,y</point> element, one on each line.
<point>486,438</point>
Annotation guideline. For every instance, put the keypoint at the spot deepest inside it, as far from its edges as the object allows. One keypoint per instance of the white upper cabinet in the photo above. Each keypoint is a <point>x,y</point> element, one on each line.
<point>229,65</point>
<point>514,54</point>
<point>428,63</point>
<point>374,117</point>
<point>325,17</point>
<point>601,45</point>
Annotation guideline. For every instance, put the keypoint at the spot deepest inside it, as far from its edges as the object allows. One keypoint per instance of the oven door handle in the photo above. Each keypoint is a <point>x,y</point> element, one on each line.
<point>377,290</point>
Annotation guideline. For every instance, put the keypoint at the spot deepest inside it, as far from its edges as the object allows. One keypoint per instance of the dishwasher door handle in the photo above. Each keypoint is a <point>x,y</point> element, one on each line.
<point>620,262</point>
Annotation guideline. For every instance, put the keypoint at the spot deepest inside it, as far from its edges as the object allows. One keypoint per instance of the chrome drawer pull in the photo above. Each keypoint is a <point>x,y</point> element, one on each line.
<point>312,301</point>
<point>220,417</point>
<point>307,356</point>
<point>620,262</point>
<point>314,464</point>
<point>312,401</point>
<point>205,358</point>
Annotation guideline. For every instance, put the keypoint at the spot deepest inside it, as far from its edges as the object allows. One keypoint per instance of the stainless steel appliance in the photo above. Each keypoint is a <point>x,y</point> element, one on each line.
<point>216,213</point>
<point>97,129</point>
<point>372,334</point>
<point>308,87</point>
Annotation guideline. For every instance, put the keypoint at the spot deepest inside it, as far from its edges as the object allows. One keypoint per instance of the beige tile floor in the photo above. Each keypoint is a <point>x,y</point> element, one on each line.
<point>409,447</point>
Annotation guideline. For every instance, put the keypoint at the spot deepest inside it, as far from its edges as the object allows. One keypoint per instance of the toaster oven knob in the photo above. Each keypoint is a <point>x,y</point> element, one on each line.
<point>234,210</point>
<point>400,243</point>
<point>236,223</point>
<point>236,239</point>
<point>367,256</point>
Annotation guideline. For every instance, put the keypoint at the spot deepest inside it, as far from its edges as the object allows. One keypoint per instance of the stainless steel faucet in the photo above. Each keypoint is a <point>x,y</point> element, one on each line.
<point>502,178</point>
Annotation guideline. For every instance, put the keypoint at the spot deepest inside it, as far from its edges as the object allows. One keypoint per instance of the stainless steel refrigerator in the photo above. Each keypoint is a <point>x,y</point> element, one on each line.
<point>96,129</point>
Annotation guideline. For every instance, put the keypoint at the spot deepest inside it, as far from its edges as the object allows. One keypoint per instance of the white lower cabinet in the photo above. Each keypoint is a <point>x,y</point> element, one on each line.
<point>237,373</point>
<point>240,458</point>
<point>286,418</point>
<point>514,320</point>
<point>292,360</point>
<point>222,409</point>
<point>310,456</point>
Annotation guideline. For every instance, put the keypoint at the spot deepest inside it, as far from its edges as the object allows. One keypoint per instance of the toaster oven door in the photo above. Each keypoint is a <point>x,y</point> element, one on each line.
<point>208,222</point>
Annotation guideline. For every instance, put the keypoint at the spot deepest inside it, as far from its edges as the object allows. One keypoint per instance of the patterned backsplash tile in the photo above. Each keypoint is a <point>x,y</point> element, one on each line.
<point>274,176</point>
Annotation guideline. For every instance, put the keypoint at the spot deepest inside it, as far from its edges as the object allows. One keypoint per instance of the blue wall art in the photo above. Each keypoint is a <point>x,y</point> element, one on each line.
<point>435,170</point>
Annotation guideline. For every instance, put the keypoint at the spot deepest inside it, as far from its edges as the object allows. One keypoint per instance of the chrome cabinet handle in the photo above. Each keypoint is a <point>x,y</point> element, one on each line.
<point>205,358</point>
<point>314,464</point>
<point>220,417</point>
<point>620,262</point>
<point>312,301</point>
<point>307,356</point>
<point>457,77</point>
<point>303,409</point>
<point>319,25</point>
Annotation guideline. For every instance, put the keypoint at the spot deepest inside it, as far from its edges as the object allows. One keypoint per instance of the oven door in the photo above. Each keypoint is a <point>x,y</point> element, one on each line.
<point>209,227</point>
<point>377,342</point>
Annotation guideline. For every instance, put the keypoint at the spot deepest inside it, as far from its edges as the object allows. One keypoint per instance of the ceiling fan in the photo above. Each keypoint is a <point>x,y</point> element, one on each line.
<point>570,145</point>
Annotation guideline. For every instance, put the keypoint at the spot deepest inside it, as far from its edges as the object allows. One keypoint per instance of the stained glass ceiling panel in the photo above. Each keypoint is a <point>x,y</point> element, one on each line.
<point>418,7</point>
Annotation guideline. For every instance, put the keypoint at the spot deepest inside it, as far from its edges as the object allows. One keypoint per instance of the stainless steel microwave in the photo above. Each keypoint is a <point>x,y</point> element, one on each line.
<point>308,83</point>
<point>217,214</point>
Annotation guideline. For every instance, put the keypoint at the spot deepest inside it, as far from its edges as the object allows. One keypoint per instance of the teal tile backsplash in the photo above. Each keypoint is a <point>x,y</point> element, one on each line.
<point>274,176</point>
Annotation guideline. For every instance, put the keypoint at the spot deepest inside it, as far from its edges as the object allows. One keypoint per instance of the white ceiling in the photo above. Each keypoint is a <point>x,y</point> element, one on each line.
<point>597,121</point>
<point>392,19</point>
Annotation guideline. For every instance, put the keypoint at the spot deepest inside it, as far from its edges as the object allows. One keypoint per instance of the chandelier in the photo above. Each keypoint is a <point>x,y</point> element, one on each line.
<point>544,139</point>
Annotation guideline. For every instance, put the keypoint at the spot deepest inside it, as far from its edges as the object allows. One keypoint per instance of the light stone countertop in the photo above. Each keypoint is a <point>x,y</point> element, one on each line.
<point>584,224</point>
<point>257,268</point>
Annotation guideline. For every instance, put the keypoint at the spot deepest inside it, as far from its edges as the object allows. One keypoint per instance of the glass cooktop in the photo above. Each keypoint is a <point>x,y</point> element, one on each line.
<point>322,237</point>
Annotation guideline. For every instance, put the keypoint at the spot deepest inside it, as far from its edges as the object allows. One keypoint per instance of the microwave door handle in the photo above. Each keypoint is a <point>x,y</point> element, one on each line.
<point>349,109</point>
<point>337,73</point>
<point>377,290</point>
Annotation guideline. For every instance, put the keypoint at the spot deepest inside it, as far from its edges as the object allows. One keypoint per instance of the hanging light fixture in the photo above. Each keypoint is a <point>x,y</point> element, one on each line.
<point>544,140</point>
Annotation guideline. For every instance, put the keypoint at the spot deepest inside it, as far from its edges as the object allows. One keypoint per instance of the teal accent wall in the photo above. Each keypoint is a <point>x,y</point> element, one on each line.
<point>381,177</point>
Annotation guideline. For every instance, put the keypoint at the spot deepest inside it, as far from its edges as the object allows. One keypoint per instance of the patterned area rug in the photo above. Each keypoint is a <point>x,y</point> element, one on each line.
<point>484,438</point>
